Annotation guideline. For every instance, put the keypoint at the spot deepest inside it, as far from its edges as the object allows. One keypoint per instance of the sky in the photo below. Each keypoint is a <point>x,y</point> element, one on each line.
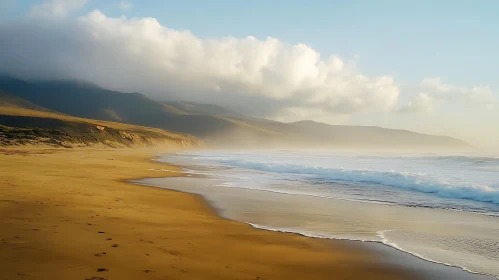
<point>426,66</point>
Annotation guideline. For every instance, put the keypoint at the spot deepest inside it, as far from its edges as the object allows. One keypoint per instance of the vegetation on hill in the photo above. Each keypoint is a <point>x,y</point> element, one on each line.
<point>20,126</point>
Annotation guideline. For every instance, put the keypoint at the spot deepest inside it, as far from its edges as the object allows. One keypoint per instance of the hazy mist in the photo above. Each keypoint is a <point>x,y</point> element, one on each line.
<point>259,77</point>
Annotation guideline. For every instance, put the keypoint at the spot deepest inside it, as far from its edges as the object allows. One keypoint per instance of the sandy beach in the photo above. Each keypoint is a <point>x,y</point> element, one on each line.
<point>344,140</point>
<point>70,214</point>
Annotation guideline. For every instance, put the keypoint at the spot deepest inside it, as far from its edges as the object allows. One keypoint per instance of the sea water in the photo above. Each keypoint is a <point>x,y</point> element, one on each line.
<point>443,208</point>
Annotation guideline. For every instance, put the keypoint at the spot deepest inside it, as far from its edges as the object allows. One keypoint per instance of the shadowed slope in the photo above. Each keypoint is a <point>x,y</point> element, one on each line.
<point>216,125</point>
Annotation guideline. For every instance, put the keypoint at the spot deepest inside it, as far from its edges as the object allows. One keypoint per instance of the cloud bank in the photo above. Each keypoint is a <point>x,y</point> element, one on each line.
<point>422,102</point>
<point>266,77</point>
<point>481,96</point>
<point>436,91</point>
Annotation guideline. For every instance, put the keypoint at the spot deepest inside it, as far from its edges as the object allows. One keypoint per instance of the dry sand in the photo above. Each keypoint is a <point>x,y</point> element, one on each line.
<point>65,214</point>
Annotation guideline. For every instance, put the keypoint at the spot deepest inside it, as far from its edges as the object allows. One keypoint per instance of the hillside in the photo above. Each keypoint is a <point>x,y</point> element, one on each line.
<point>216,125</point>
<point>88,101</point>
<point>356,136</point>
<point>24,126</point>
<point>189,108</point>
<point>11,101</point>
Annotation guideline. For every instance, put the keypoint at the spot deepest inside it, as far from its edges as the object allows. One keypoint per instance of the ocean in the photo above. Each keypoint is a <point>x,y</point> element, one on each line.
<point>442,208</point>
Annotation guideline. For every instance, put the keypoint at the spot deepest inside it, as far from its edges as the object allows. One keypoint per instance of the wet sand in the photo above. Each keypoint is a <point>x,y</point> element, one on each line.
<point>70,214</point>
<point>346,220</point>
<point>425,269</point>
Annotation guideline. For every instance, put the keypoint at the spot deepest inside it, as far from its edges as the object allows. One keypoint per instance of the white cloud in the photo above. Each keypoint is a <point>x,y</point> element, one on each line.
<point>125,5</point>
<point>264,76</point>
<point>420,103</point>
<point>56,8</point>
<point>436,91</point>
<point>478,96</point>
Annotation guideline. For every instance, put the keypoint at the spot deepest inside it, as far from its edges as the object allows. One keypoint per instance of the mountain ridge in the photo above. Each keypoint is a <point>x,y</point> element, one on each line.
<point>216,125</point>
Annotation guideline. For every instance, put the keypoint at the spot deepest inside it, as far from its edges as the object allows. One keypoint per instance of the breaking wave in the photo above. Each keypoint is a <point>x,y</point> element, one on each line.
<point>421,182</point>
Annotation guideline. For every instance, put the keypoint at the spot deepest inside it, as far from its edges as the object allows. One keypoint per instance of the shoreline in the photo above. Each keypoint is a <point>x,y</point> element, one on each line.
<point>464,271</point>
<point>68,214</point>
<point>475,274</point>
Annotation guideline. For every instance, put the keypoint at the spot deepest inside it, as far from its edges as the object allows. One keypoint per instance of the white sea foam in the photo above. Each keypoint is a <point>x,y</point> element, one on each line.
<point>380,234</point>
<point>461,183</point>
<point>413,181</point>
<point>306,233</point>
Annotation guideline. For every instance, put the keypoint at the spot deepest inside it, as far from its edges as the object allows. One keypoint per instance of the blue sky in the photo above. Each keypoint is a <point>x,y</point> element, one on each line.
<point>428,66</point>
<point>411,40</point>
